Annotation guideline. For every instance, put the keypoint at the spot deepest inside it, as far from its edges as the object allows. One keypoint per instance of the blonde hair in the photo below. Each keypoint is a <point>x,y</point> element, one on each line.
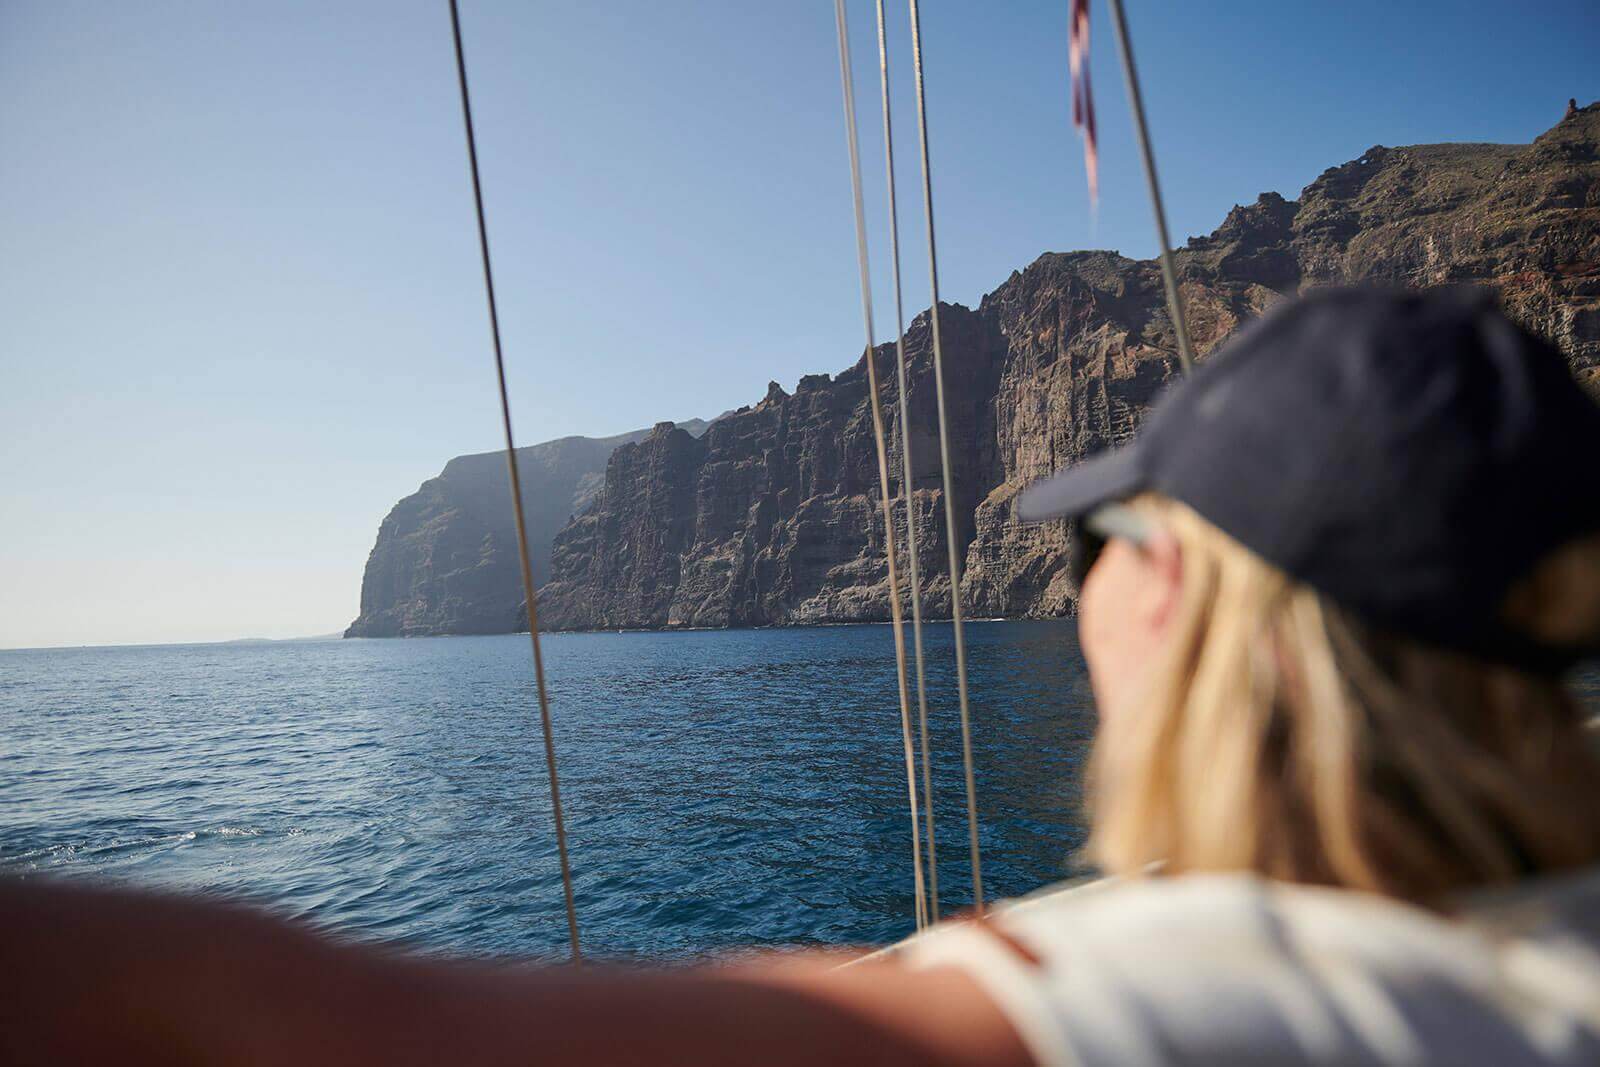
<point>1278,734</point>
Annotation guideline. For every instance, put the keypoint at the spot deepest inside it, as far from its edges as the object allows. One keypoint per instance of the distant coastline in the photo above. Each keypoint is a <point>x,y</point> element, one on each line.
<point>334,636</point>
<point>767,516</point>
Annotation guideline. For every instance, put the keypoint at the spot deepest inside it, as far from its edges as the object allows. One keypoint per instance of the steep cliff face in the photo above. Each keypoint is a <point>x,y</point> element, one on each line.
<point>770,518</point>
<point>446,559</point>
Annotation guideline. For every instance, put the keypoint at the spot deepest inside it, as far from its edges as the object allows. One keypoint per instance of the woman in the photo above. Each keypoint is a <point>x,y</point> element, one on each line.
<point>1351,814</point>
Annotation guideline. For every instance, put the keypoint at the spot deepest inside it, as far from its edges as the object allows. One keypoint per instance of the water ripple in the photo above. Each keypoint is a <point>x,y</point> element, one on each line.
<point>722,788</point>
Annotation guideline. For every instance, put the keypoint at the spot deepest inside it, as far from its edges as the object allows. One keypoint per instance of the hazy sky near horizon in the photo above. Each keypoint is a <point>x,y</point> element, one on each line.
<point>240,307</point>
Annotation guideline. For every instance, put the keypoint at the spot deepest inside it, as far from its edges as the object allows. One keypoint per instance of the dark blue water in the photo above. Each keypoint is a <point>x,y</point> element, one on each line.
<point>722,788</point>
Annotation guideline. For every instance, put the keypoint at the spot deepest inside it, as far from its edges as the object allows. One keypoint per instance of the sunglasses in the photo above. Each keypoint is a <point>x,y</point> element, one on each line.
<point>1090,533</point>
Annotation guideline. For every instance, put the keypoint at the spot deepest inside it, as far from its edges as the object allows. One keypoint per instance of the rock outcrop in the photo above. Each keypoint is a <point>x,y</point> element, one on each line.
<point>770,517</point>
<point>446,559</point>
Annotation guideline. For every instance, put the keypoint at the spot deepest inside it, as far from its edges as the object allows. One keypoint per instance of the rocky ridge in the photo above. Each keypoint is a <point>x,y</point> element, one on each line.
<point>446,560</point>
<point>768,518</point>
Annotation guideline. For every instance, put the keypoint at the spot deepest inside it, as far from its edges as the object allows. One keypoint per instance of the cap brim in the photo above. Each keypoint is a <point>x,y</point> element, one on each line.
<point>1109,476</point>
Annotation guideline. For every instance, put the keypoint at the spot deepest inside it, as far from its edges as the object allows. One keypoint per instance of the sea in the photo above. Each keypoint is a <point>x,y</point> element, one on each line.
<point>723,789</point>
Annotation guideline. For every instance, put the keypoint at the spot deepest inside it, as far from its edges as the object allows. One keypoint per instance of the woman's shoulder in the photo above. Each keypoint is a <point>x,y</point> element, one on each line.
<point>1202,913</point>
<point>1219,968</point>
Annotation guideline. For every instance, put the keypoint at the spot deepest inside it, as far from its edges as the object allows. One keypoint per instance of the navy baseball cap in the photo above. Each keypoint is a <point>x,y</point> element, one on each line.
<point>1409,454</point>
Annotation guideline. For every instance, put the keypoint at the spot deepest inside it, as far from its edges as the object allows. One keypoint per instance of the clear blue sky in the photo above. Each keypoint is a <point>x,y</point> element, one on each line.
<point>240,308</point>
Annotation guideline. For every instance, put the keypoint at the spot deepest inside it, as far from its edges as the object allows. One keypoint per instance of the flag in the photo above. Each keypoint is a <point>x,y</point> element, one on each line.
<point>1082,97</point>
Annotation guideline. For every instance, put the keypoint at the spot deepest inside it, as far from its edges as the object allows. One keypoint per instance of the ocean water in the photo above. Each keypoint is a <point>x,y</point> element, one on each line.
<point>722,788</point>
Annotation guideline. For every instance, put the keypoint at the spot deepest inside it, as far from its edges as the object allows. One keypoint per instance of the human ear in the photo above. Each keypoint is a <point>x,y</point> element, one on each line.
<point>1162,557</point>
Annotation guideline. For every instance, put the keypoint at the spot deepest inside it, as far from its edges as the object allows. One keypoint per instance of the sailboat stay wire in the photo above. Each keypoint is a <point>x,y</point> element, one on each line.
<point>944,455</point>
<point>1169,272</point>
<point>516,493</point>
<point>869,356</point>
<point>906,482</point>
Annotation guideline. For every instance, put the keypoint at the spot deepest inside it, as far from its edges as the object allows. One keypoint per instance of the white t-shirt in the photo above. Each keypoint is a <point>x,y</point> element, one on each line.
<point>1237,970</point>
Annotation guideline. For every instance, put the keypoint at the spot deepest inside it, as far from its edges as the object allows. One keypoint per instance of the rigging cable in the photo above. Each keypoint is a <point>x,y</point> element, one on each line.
<point>898,621</point>
<point>1169,273</point>
<point>905,477</point>
<point>944,455</point>
<point>516,492</point>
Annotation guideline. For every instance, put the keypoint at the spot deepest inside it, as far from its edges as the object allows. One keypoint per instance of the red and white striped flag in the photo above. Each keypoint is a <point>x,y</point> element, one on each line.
<point>1082,97</point>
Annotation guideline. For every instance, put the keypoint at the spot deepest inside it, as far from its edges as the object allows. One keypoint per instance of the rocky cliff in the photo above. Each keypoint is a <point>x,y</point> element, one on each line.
<point>768,518</point>
<point>446,559</point>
